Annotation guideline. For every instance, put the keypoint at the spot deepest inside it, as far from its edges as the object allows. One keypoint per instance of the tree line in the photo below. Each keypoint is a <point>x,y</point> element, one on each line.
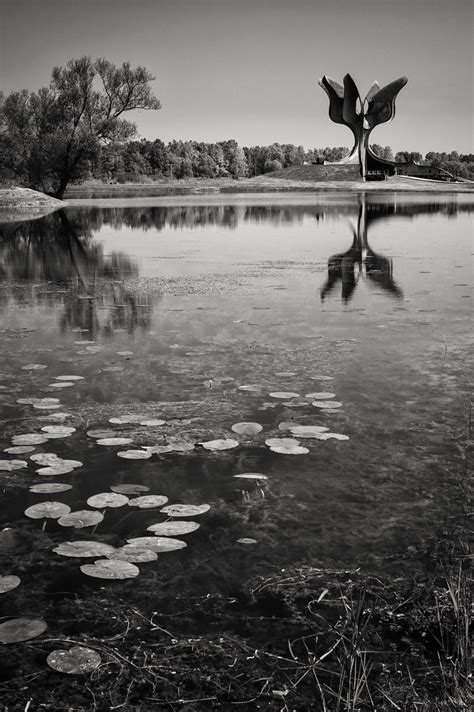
<point>75,129</point>
<point>138,161</point>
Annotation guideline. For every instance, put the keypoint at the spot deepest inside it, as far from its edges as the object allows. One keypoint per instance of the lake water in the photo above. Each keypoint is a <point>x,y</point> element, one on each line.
<point>166,307</point>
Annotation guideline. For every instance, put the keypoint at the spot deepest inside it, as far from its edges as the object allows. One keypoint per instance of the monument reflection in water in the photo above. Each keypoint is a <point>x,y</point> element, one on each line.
<point>360,260</point>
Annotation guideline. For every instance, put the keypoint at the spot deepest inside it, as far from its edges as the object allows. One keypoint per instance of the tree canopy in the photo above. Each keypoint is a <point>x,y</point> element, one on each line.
<point>47,137</point>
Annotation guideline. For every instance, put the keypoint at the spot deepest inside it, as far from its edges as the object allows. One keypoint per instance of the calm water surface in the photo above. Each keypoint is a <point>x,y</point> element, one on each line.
<point>185,300</point>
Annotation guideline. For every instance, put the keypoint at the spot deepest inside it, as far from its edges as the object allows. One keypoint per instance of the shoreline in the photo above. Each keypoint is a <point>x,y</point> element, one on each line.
<point>260,184</point>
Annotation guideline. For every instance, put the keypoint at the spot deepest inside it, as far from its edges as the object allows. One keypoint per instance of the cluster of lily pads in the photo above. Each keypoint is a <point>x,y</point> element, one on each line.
<point>121,562</point>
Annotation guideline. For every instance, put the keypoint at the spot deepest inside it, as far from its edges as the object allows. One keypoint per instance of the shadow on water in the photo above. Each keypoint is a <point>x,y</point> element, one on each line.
<point>55,260</point>
<point>360,260</point>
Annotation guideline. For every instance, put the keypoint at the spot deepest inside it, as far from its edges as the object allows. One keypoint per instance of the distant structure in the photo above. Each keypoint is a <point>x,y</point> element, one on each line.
<point>361,116</point>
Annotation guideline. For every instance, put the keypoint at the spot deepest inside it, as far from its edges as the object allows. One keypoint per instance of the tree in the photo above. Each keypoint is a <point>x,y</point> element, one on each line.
<point>47,137</point>
<point>408,157</point>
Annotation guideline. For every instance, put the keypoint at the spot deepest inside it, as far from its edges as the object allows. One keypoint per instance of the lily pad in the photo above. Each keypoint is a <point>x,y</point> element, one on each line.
<point>12,465</point>
<point>159,544</point>
<point>185,510</point>
<point>173,528</point>
<point>18,630</point>
<point>19,449</point>
<point>45,458</point>
<point>286,425</point>
<point>296,403</point>
<point>327,405</point>
<point>133,554</point>
<point>284,395</point>
<point>247,540</point>
<point>61,384</point>
<point>57,468</point>
<point>84,549</point>
<point>148,501</point>
<point>34,367</point>
<point>321,378</point>
<point>251,476</point>
<point>69,378</point>
<point>317,432</point>
<point>220,444</point>
<point>101,434</point>
<point>110,569</point>
<point>247,428</point>
<point>75,661</point>
<point>283,442</point>
<point>46,406</point>
<point>8,583</point>
<point>134,454</point>
<point>287,450</point>
<point>58,429</point>
<point>320,396</point>
<point>107,499</point>
<point>114,441</point>
<point>250,389</point>
<point>158,449</point>
<point>82,518</point>
<point>152,422</point>
<point>129,489</point>
<point>126,419</point>
<point>180,445</point>
<point>30,439</point>
<point>336,436</point>
<point>49,488</point>
<point>47,510</point>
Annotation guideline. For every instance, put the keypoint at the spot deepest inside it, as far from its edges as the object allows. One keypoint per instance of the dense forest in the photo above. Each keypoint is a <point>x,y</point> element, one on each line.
<point>144,161</point>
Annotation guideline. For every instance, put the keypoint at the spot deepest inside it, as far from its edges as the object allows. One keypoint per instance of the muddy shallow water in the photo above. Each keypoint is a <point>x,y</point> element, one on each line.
<point>166,307</point>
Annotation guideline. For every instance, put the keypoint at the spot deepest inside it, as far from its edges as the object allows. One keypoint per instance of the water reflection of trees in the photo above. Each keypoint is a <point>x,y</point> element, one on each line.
<point>230,216</point>
<point>54,260</point>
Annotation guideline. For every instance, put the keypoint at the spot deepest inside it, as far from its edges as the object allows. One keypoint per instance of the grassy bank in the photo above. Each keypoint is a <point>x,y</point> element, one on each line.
<point>306,639</point>
<point>259,184</point>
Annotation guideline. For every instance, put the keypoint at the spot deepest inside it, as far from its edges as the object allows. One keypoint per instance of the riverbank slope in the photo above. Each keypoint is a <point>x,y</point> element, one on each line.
<point>26,204</point>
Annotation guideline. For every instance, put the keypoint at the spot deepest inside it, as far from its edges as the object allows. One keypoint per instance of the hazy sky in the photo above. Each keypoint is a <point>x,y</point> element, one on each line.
<point>247,69</point>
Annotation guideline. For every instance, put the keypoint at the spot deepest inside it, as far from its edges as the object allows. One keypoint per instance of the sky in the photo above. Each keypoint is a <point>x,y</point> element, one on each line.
<point>248,69</point>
